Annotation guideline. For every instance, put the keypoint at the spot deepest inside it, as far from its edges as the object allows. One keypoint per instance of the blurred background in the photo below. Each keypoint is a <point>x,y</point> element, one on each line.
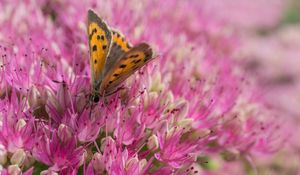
<point>269,38</point>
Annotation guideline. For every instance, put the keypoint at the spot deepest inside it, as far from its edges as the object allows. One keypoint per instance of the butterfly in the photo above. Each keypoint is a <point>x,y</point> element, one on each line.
<point>112,58</point>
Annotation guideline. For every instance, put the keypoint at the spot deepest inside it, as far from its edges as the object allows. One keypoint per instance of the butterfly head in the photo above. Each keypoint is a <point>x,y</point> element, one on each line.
<point>95,97</point>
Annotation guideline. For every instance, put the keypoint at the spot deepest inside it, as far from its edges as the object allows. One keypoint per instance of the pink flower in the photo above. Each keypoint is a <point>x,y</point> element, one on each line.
<point>174,151</point>
<point>59,152</point>
<point>17,130</point>
<point>114,161</point>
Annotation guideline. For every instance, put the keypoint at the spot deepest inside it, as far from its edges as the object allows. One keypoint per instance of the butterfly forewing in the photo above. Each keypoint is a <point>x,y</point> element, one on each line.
<point>125,66</point>
<point>100,39</point>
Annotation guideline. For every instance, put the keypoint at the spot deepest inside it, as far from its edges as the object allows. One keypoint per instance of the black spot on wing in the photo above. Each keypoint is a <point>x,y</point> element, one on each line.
<point>122,66</point>
<point>134,56</point>
<point>136,61</point>
<point>135,67</point>
<point>100,37</point>
<point>104,47</point>
<point>115,75</point>
<point>94,48</point>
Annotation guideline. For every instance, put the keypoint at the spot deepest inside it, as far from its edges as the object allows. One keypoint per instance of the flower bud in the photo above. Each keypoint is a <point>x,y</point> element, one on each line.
<point>48,172</point>
<point>29,161</point>
<point>3,155</point>
<point>34,98</point>
<point>83,158</point>
<point>152,96</point>
<point>14,170</point>
<point>169,98</point>
<point>142,163</point>
<point>20,124</point>
<point>230,155</point>
<point>98,163</point>
<point>18,157</point>
<point>132,163</point>
<point>153,143</point>
<point>156,84</point>
<point>186,123</point>
<point>64,132</point>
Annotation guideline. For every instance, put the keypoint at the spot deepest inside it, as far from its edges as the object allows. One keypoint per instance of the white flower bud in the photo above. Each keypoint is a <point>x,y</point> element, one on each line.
<point>152,96</point>
<point>131,162</point>
<point>20,124</point>
<point>153,143</point>
<point>186,123</point>
<point>143,163</point>
<point>18,157</point>
<point>14,170</point>
<point>156,84</point>
<point>64,132</point>
<point>3,155</point>
<point>49,172</point>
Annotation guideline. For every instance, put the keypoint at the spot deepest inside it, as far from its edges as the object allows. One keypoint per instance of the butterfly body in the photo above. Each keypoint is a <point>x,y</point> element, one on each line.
<point>112,58</point>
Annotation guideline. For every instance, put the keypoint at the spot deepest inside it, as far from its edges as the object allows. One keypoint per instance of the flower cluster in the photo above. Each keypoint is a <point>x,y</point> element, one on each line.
<point>187,110</point>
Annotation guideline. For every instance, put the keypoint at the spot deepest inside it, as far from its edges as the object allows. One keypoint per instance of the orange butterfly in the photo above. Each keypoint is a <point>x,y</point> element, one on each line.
<point>112,58</point>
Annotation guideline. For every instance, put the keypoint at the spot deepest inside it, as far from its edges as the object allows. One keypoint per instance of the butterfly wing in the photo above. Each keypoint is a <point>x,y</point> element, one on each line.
<point>126,65</point>
<point>100,39</point>
<point>119,46</point>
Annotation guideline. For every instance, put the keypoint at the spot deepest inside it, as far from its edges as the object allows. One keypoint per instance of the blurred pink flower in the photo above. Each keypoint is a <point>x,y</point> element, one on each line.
<point>246,14</point>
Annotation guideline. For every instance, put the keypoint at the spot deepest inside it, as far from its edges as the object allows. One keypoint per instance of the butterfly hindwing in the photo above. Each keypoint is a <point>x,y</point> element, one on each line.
<point>125,66</point>
<point>100,39</point>
<point>119,46</point>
